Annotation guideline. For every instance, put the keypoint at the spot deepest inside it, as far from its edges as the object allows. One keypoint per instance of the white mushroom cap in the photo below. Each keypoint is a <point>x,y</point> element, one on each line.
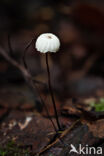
<point>47,42</point>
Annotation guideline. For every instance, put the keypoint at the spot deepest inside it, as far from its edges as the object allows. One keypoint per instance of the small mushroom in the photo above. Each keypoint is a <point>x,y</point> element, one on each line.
<point>49,43</point>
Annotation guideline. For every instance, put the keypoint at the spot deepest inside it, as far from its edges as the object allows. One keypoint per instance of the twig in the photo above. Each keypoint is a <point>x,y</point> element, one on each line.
<point>58,139</point>
<point>23,70</point>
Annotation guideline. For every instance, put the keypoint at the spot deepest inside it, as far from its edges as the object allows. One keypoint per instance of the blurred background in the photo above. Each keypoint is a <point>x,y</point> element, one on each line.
<point>78,68</point>
<point>77,73</point>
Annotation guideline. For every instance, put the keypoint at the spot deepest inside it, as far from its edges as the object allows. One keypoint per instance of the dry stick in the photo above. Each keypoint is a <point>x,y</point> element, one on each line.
<point>51,92</point>
<point>13,62</point>
<point>24,72</point>
<point>58,139</point>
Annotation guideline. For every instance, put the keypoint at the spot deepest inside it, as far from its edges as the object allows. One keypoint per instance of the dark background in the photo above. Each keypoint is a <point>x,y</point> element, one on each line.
<point>80,27</point>
<point>77,74</point>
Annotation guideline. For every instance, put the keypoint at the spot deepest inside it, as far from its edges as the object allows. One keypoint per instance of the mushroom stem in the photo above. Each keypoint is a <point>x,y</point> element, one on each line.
<point>25,52</point>
<point>51,92</point>
<point>32,84</point>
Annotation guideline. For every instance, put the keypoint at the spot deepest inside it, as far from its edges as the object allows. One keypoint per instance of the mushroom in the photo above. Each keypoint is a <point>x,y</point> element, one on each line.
<point>49,43</point>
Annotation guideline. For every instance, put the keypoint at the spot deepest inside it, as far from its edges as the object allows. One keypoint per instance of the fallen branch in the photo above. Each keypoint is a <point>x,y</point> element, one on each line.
<point>23,70</point>
<point>59,138</point>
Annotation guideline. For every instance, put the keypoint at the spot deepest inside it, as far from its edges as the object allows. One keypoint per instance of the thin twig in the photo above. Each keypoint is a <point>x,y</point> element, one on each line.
<point>23,70</point>
<point>58,139</point>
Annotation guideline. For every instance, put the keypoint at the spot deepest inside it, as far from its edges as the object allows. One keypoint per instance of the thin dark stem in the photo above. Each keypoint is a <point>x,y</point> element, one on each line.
<point>51,92</point>
<point>25,64</point>
<point>25,51</point>
<point>9,46</point>
<point>46,110</point>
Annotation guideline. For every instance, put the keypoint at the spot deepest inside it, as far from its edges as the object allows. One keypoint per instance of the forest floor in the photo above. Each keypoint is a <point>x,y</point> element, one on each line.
<point>25,131</point>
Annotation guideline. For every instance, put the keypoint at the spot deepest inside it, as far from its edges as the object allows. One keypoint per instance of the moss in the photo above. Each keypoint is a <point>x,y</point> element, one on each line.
<point>99,106</point>
<point>11,149</point>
